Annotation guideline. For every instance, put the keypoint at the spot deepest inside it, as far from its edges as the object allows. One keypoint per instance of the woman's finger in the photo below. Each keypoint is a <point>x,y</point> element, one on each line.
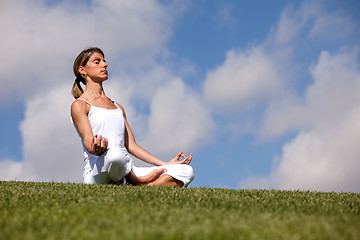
<point>180,154</point>
<point>101,141</point>
<point>105,143</point>
<point>189,158</point>
<point>95,141</point>
<point>100,138</point>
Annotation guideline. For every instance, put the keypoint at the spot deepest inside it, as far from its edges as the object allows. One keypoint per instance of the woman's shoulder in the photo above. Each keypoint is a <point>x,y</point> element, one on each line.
<point>80,105</point>
<point>119,105</point>
<point>121,108</point>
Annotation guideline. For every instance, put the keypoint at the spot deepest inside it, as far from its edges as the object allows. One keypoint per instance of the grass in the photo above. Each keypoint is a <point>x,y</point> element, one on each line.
<point>30,210</point>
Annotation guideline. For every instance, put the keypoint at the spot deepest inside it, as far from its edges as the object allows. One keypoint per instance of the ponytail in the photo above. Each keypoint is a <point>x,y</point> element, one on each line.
<point>81,60</point>
<point>77,90</point>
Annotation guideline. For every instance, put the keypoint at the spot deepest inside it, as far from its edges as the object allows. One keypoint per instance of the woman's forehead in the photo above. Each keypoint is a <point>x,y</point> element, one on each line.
<point>96,55</point>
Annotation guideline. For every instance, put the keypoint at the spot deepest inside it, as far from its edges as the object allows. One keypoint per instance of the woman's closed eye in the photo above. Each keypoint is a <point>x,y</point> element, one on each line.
<point>97,61</point>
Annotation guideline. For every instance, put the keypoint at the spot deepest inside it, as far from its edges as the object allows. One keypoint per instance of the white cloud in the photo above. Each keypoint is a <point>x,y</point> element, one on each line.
<point>324,155</point>
<point>144,83</point>
<point>288,26</point>
<point>52,149</point>
<point>332,96</point>
<point>175,117</point>
<point>39,43</point>
<point>179,121</point>
<point>245,79</point>
<point>10,170</point>
<point>329,25</point>
<point>312,20</point>
<point>323,159</point>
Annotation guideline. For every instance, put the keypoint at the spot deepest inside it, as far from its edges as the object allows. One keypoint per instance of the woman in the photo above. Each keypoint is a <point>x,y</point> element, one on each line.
<point>106,135</point>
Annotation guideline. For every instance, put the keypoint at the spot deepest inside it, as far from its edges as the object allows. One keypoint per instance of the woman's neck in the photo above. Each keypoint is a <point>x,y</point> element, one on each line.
<point>94,90</point>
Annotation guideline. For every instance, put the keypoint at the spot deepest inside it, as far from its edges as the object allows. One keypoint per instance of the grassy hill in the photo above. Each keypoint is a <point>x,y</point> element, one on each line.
<point>30,210</point>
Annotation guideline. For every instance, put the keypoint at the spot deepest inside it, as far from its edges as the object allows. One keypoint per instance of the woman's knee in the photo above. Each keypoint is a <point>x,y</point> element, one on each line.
<point>186,172</point>
<point>190,172</point>
<point>115,156</point>
<point>118,164</point>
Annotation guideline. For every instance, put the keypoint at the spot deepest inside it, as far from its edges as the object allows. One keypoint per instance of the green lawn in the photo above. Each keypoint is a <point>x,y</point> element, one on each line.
<point>30,210</point>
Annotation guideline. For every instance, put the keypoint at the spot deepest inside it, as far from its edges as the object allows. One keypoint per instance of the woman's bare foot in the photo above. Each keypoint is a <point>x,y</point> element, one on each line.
<point>132,179</point>
<point>152,176</point>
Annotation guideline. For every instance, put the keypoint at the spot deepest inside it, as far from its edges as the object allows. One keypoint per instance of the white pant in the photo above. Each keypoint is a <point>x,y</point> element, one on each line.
<point>116,163</point>
<point>181,172</point>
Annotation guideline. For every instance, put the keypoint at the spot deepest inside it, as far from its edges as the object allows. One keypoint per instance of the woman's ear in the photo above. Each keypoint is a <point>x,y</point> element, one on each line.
<point>82,70</point>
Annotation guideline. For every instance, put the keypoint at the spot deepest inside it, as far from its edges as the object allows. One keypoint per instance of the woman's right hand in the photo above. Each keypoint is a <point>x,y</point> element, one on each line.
<point>176,160</point>
<point>99,145</point>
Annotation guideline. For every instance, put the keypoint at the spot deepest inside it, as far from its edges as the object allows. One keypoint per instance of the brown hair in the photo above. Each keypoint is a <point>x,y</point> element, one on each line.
<point>81,60</point>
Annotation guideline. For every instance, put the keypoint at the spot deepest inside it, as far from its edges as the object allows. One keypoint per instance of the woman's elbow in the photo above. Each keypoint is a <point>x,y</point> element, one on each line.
<point>132,148</point>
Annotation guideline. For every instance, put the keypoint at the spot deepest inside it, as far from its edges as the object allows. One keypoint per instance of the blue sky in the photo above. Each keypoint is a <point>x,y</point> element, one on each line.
<point>264,93</point>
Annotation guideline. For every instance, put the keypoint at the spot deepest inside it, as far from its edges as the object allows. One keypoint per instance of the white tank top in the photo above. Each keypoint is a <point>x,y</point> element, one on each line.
<point>108,123</point>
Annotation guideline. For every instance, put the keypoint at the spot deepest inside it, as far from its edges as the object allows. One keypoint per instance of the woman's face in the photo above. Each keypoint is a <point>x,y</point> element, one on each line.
<point>95,68</point>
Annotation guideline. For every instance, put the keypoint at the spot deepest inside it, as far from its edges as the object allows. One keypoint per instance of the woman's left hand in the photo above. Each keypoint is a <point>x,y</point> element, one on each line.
<point>176,160</point>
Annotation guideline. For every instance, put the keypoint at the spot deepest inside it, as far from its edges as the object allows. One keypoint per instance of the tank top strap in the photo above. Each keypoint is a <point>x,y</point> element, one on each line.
<point>116,105</point>
<point>85,101</point>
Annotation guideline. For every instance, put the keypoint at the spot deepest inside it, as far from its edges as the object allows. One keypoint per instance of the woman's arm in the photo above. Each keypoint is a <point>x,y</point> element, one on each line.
<point>140,153</point>
<point>94,144</point>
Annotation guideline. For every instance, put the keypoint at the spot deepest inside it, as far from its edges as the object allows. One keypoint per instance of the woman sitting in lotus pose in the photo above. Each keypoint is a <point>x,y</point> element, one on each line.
<point>106,135</point>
